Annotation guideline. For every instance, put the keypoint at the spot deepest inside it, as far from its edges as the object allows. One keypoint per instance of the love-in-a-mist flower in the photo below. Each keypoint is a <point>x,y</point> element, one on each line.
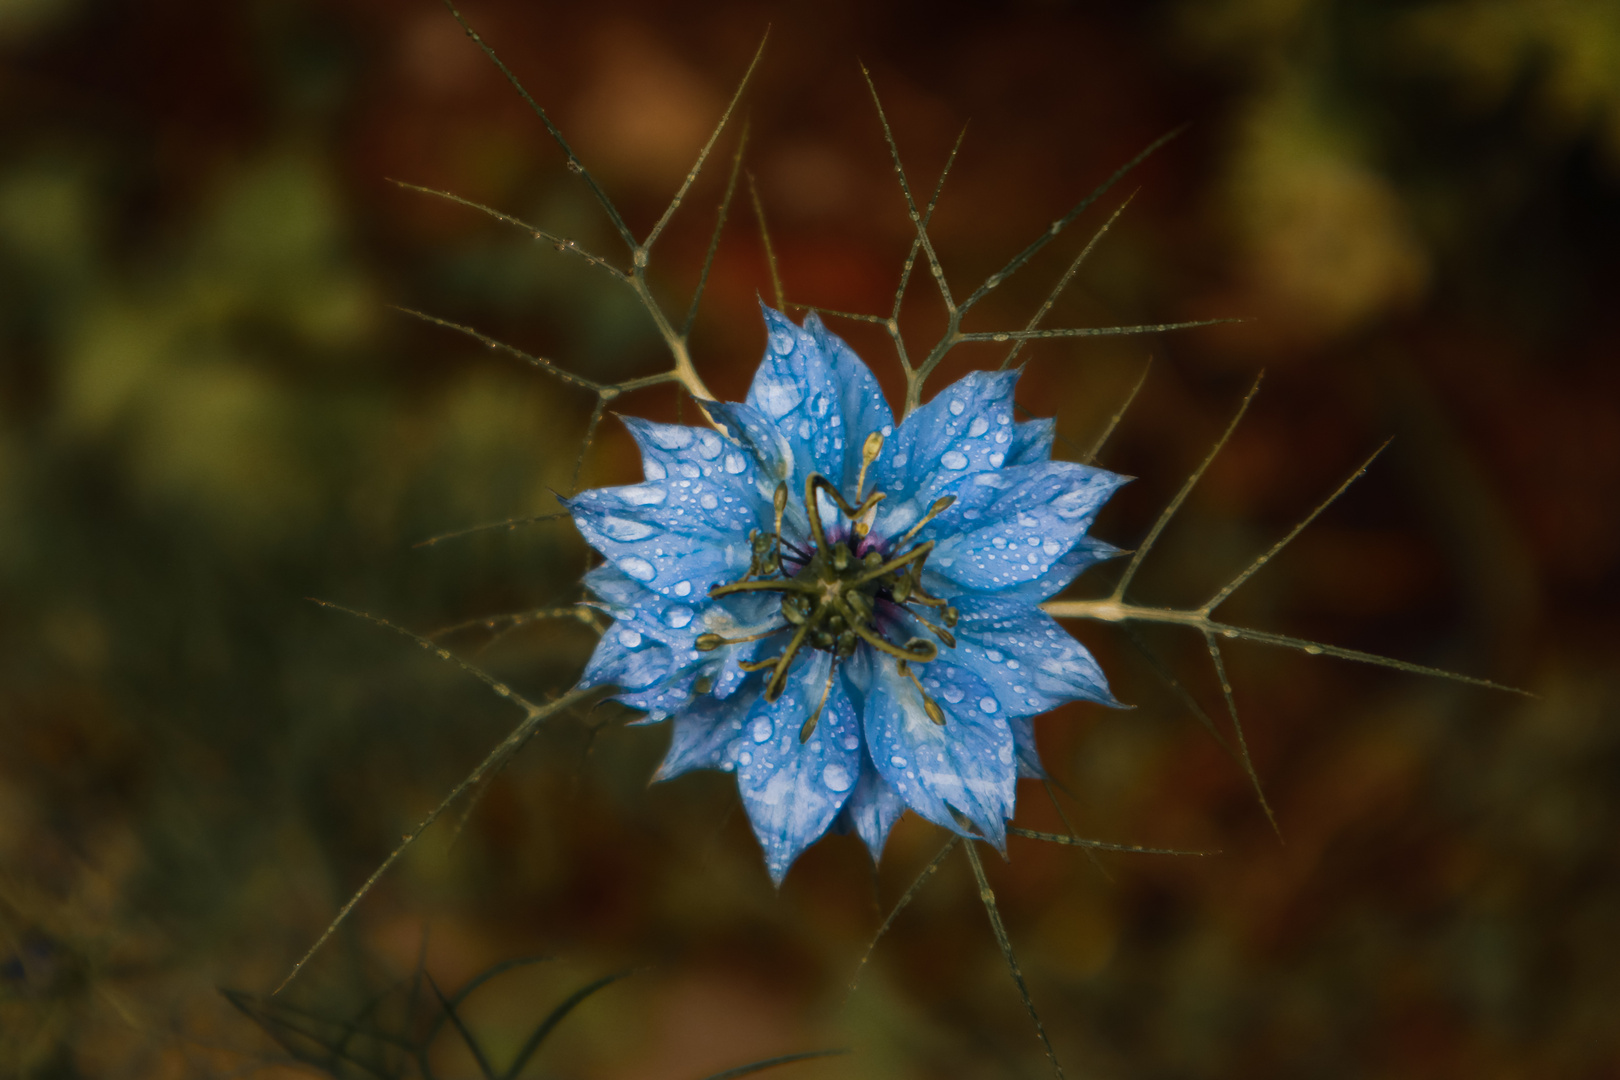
<point>841,611</point>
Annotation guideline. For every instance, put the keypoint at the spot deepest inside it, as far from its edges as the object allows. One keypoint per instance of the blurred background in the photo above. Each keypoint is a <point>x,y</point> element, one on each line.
<point>210,411</point>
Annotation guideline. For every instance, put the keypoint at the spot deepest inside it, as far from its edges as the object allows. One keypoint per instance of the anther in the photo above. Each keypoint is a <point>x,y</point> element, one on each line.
<point>703,685</point>
<point>941,504</point>
<point>930,706</point>
<point>810,721</point>
<point>711,642</point>
<point>869,453</point>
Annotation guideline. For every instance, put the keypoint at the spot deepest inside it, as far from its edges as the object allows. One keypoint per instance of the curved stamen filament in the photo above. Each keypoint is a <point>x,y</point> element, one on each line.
<point>810,724</point>
<point>785,585</point>
<point>940,632</point>
<point>930,706</point>
<point>919,552</point>
<point>779,504</point>
<point>773,688</point>
<point>916,651</point>
<point>711,642</point>
<point>941,504</point>
<point>869,453</point>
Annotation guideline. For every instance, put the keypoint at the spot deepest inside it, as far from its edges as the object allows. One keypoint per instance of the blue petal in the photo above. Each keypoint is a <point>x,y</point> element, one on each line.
<point>639,613</point>
<point>1032,442</point>
<point>677,452</point>
<point>704,736</point>
<point>966,429</point>
<point>965,763</point>
<point>1029,758</point>
<point>861,400</point>
<point>768,451</point>
<point>793,790</point>
<point>677,536</point>
<point>1010,527</point>
<point>1086,553</point>
<point>629,660</point>
<point>1030,663</point>
<point>819,396</point>
<point>873,808</point>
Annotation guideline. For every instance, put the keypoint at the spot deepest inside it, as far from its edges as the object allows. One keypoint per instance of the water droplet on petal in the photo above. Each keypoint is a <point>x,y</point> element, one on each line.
<point>708,501</point>
<point>678,617</point>
<point>642,494</point>
<point>836,777</point>
<point>629,638</point>
<point>683,588</point>
<point>958,406</point>
<point>638,568</point>
<point>953,459</point>
<point>979,426</point>
<point>762,730</point>
<point>988,704</point>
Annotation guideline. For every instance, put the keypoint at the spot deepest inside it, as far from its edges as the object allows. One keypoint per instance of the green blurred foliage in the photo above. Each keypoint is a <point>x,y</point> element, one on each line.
<point>209,411</point>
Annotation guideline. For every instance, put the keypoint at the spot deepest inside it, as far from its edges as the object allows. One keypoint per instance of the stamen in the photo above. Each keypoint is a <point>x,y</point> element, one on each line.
<point>917,650</point>
<point>711,642</point>
<point>864,515</point>
<point>810,724</point>
<point>941,504</point>
<point>930,706</point>
<point>812,508</point>
<point>869,453</point>
<point>773,688</point>
<point>917,553</point>
<point>779,503</point>
<point>939,631</point>
<point>787,585</point>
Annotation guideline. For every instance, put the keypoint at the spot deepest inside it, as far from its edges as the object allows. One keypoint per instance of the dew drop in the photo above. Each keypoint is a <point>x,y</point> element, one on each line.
<point>988,704</point>
<point>638,568</point>
<point>671,437</point>
<point>996,460</point>
<point>655,470</point>
<point>642,495</point>
<point>682,588</point>
<point>678,617</point>
<point>735,464</point>
<point>1313,650</point>
<point>708,501</point>
<point>953,459</point>
<point>629,638</point>
<point>958,406</point>
<point>762,730</point>
<point>979,426</point>
<point>836,777</point>
<point>952,694</point>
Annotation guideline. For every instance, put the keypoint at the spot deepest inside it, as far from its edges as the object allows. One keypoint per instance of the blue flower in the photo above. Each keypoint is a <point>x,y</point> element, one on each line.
<point>845,612</point>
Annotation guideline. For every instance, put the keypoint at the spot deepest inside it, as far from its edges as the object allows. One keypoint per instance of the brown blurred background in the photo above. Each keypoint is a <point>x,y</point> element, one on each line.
<point>209,412</point>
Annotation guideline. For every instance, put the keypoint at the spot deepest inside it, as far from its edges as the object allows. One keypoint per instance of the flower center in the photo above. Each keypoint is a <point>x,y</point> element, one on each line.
<point>848,589</point>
